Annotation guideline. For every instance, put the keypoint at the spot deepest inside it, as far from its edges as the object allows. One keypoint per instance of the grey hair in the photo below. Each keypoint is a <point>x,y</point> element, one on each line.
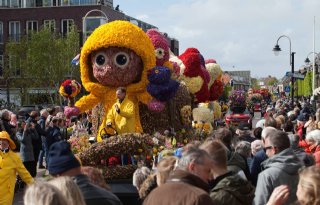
<point>267,131</point>
<point>43,193</point>
<point>139,176</point>
<point>43,111</point>
<point>314,135</point>
<point>195,155</point>
<point>244,148</point>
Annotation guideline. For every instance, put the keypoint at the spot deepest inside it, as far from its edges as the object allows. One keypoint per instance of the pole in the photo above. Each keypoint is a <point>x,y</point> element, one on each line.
<point>292,78</point>
<point>314,58</point>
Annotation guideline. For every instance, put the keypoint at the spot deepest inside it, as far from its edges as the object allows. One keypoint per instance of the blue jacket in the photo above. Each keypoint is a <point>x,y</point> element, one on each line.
<point>255,168</point>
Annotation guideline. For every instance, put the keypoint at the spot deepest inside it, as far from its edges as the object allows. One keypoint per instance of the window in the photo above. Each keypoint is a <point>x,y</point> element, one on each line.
<point>14,30</point>
<point>4,3</point>
<point>14,66</point>
<point>15,3</point>
<point>32,26</point>
<point>50,24</point>
<point>66,26</point>
<point>1,65</point>
<point>1,32</point>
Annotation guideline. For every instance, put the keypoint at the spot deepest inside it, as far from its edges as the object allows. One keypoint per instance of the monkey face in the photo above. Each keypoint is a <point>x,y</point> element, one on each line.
<point>116,66</point>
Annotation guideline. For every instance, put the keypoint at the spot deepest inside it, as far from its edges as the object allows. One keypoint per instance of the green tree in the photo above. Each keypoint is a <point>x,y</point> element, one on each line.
<point>255,84</point>
<point>44,59</point>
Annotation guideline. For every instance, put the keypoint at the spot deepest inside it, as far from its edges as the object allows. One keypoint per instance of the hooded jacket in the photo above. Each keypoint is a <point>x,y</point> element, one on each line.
<point>182,188</point>
<point>281,169</point>
<point>232,189</point>
<point>10,165</point>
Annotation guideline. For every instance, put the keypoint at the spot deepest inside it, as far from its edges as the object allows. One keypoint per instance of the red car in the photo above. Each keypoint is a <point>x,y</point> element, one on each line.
<point>235,117</point>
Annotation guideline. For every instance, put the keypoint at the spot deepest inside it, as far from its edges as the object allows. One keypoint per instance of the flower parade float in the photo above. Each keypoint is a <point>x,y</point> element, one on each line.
<point>238,109</point>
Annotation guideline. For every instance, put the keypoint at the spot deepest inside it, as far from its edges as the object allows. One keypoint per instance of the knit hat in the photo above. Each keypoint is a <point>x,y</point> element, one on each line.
<point>61,159</point>
<point>6,136</point>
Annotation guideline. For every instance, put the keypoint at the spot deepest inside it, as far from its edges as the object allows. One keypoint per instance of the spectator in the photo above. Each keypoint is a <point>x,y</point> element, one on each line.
<point>311,124</point>
<point>10,166</point>
<point>226,187</point>
<point>63,163</point>
<point>164,169</point>
<point>236,163</point>
<point>281,168</point>
<point>313,141</point>
<point>260,156</point>
<point>256,146</point>
<point>243,148</point>
<point>53,133</point>
<point>244,132</point>
<point>42,122</point>
<point>139,176</point>
<point>305,158</point>
<point>148,185</point>
<point>25,135</point>
<point>308,189</point>
<point>44,194</point>
<point>288,127</point>
<point>9,128</point>
<point>95,176</point>
<point>188,183</point>
<point>257,133</point>
<point>69,190</point>
<point>270,122</point>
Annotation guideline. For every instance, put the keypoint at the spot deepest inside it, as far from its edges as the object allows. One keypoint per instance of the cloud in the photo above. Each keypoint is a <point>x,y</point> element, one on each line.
<point>143,17</point>
<point>240,33</point>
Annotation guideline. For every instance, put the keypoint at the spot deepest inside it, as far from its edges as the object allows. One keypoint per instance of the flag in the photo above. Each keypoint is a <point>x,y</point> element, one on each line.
<point>75,60</point>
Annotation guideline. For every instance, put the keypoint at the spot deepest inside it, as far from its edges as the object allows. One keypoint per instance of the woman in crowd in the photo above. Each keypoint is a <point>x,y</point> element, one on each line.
<point>10,165</point>
<point>44,194</point>
<point>69,190</point>
<point>313,141</point>
<point>26,133</point>
<point>139,176</point>
<point>95,176</point>
<point>164,168</point>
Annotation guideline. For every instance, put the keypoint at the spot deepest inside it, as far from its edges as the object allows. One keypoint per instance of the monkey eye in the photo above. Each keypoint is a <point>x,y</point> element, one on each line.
<point>100,59</point>
<point>121,59</point>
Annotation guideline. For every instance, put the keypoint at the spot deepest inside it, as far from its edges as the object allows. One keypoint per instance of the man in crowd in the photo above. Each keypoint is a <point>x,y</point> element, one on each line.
<point>188,183</point>
<point>281,168</point>
<point>226,187</point>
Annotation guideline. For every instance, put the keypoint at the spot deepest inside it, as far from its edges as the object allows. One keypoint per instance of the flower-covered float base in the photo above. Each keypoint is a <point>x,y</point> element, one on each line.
<point>108,154</point>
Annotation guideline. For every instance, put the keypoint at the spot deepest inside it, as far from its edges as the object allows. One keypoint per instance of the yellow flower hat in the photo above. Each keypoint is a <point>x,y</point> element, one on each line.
<point>117,34</point>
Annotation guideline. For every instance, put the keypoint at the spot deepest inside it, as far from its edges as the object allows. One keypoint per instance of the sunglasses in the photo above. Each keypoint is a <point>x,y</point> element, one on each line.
<point>269,147</point>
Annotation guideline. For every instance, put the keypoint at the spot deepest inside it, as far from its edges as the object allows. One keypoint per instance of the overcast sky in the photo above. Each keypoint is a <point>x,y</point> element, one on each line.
<point>237,33</point>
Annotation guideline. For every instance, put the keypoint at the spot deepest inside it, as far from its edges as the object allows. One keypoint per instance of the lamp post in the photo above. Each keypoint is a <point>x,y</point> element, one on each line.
<point>276,51</point>
<point>307,61</point>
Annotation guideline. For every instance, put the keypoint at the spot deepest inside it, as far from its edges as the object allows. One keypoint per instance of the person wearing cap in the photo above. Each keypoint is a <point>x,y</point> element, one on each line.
<point>10,165</point>
<point>62,162</point>
<point>244,132</point>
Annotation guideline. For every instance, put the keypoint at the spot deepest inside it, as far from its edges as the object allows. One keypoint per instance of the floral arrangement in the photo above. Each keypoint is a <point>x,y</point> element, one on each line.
<point>161,86</point>
<point>214,70</point>
<point>186,114</point>
<point>238,98</point>
<point>116,34</point>
<point>216,90</point>
<point>79,144</point>
<point>194,84</point>
<point>69,89</point>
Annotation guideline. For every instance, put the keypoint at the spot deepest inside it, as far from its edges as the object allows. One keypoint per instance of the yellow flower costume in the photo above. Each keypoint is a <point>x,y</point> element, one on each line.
<point>121,34</point>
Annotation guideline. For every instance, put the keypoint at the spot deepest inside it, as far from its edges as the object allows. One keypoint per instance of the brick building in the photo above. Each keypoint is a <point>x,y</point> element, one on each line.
<point>18,17</point>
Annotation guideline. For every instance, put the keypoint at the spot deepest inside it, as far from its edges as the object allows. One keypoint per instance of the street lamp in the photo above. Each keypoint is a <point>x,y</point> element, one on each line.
<point>276,51</point>
<point>307,61</point>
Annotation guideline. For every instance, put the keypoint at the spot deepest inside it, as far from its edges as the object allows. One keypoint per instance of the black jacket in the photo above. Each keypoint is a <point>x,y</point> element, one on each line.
<point>94,195</point>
